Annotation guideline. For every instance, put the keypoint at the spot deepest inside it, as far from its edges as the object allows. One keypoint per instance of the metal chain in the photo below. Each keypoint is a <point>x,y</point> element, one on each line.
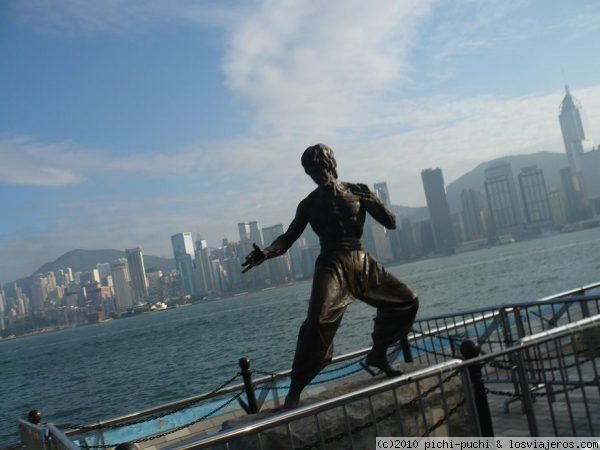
<point>147,418</point>
<point>174,430</point>
<point>440,422</point>
<point>432,352</point>
<point>502,393</point>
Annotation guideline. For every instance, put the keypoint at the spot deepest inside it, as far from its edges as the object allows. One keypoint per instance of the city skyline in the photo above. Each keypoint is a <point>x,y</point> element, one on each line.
<point>126,122</point>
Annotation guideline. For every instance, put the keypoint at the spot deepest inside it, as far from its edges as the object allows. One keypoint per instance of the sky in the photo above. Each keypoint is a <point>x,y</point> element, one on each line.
<point>123,122</point>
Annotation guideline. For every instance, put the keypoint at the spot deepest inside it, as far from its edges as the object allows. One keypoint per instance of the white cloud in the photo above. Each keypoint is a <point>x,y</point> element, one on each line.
<point>30,162</point>
<point>308,72</point>
<point>314,67</point>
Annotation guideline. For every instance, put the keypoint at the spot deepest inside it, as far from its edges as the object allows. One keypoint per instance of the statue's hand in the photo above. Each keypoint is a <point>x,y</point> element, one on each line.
<point>255,258</point>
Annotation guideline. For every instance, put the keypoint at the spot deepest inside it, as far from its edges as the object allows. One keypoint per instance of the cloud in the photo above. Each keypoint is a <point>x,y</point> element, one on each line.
<point>319,68</point>
<point>30,162</point>
<point>334,72</point>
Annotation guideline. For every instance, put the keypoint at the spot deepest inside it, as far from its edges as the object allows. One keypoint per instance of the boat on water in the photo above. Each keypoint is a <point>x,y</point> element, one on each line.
<point>519,369</point>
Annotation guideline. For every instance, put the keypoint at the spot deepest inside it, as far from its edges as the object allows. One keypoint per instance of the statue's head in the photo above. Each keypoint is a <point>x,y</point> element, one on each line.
<point>319,164</point>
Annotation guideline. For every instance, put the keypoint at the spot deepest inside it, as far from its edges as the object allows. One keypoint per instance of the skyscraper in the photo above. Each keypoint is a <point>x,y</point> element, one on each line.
<point>183,252</point>
<point>437,203</point>
<point>502,199</point>
<point>381,190</point>
<point>578,140</point>
<point>472,214</point>
<point>204,267</point>
<point>278,267</point>
<point>244,230</point>
<point>573,125</point>
<point>137,272</point>
<point>535,197</point>
<point>121,283</point>
<point>255,236</point>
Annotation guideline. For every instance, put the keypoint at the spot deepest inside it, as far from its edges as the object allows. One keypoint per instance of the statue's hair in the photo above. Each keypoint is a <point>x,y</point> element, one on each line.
<point>319,155</point>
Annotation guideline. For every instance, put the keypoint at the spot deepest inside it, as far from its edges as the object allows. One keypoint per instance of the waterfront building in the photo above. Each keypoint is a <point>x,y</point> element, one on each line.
<point>121,281</point>
<point>184,254</point>
<point>472,214</point>
<point>439,212</point>
<point>295,253</point>
<point>137,272</point>
<point>61,278</point>
<point>381,190</point>
<point>576,206</point>
<point>310,254</point>
<point>244,230</point>
<point>255,236</point>
<point>39,292</point>
<point>502,198</point>
<point>575,131</point>
<point>557,209</point>
<point>381,241</point>
<point>154,284</point>
<point>408,243</point>
<point>591,178</point>
<point>71,299</point>
<point>85,277</point>
<point>103,270</point>
<point>425,237</point>
<point>206,277</point>
<point>279,268</point>
<point>535,197</point>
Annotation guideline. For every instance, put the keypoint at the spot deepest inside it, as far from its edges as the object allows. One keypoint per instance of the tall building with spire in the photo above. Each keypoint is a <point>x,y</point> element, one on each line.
<point>575,131</point>
<point>578,141</point>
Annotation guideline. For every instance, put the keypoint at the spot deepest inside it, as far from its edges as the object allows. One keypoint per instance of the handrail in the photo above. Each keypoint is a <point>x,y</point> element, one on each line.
<point>487,312</point>
<point>582,290</point>
<point>308,410</point>
<point>59,436</point>
<point>451,365</point>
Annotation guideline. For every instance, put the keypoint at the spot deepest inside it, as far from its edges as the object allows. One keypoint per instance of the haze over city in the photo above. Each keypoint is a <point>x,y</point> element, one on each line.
<point>123,123</point>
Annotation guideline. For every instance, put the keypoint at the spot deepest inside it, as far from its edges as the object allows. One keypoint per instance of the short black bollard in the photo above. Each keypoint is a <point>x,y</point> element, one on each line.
<point>470,350</point>
<point>34,416</point>
<point>405,345</point>
<point>247,376</point>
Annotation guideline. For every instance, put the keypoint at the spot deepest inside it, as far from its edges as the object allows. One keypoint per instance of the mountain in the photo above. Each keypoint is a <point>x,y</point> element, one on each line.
<point>83,260</point>
<point>550,163</point>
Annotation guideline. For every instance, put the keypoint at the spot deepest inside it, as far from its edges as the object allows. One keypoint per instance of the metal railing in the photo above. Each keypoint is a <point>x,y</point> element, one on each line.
<point>574,390</point>
<point>434,341</point>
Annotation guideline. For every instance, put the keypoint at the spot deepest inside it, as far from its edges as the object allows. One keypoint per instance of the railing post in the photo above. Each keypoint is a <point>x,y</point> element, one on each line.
<point>470,350</point>
<point>248,386</point>
<point>405,345</point>
<point>34,416</point>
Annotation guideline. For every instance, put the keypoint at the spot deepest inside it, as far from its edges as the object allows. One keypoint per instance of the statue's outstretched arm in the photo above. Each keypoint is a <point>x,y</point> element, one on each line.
<point>282,243</point>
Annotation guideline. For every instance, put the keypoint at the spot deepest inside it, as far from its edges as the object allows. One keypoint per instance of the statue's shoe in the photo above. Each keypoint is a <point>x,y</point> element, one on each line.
<point>382,364</point>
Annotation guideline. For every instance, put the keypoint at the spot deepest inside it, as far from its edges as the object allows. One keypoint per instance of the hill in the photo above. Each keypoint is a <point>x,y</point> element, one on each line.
<point>83,260</point>
<point>550,163</point>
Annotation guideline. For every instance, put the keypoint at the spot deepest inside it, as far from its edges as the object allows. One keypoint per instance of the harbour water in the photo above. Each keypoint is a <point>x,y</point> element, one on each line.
<point>99,371</point>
